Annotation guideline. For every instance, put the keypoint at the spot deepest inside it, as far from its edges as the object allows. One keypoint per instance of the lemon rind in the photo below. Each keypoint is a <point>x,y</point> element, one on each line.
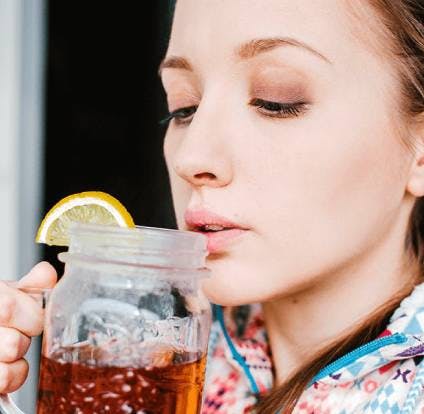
<point>104,200</point>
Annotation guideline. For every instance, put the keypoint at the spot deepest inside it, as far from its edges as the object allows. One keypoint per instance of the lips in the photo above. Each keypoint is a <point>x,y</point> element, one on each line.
<point>219,230</point>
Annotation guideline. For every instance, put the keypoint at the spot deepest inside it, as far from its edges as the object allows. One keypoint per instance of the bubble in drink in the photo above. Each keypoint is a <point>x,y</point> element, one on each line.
<point>74,388</point>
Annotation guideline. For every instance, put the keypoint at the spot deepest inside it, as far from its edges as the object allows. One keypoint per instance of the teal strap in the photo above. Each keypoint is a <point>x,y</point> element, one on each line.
<point>236,355</point>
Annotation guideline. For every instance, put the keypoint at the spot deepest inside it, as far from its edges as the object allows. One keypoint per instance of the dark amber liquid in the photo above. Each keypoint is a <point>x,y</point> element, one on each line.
<point>71,388</point>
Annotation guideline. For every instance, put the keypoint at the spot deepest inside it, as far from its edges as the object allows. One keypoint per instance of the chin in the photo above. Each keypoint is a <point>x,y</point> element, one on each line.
<point>222,294</point>
<point>234,282</point>
<point>233,287</point>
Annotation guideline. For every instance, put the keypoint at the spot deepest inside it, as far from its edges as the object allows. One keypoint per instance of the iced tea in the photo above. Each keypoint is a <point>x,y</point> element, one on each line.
<point>74,388</point>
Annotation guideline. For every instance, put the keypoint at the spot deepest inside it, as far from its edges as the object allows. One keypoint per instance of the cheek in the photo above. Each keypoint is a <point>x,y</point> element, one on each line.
<point>180,189</point>
<point>360,173</point>
<point>317,196</point>
<point>336,165</point>
<point>168,148</point>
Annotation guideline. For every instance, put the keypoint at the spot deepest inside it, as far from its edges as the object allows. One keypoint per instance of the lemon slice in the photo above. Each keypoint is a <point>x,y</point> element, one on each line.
<point>88,207</point>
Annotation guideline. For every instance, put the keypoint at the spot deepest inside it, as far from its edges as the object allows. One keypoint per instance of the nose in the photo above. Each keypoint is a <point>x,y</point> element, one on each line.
<point>203,156</point>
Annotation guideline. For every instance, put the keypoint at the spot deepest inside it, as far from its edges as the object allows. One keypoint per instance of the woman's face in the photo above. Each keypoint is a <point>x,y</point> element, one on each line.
<point>285,125</point>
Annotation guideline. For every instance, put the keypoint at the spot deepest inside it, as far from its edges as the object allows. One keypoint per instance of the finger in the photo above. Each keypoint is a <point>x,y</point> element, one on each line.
<point>12,375</point>
<point>42,275</point>
<point>13,344</point>
<point>20,311</point>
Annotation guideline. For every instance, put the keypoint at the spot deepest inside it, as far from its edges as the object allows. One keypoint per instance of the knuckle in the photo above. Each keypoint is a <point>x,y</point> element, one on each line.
<point>7,309</point>
<point>35,327</point>
<point>12,343</point>
<point>5,377</point>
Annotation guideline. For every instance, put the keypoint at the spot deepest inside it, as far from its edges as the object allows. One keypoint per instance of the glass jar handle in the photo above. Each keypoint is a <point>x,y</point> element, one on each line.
<point>7,406</point>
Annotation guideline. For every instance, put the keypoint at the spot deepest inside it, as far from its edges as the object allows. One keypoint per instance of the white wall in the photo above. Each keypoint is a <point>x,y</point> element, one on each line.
<point>22,57</point>
<point>9,129</point>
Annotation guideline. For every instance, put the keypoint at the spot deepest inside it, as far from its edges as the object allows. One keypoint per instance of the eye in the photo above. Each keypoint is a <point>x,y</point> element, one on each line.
<point>279,110</point>
<point>184,116</point>
<point>181,116</point>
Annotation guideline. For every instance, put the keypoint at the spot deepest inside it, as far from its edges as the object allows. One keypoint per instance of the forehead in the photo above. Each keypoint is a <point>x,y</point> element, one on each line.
<point>211,29</point>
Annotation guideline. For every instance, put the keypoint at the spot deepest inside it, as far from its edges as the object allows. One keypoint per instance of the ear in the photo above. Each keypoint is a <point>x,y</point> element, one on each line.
<point>415,184</point>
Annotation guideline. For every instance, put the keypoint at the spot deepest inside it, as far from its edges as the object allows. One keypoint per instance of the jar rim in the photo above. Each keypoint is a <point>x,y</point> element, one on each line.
<point>140,245</point>
<point>196,241</point>
<point>131,269</point>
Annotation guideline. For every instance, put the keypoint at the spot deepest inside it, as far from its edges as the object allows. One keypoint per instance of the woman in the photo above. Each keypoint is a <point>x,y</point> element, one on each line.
<point>295,144</point>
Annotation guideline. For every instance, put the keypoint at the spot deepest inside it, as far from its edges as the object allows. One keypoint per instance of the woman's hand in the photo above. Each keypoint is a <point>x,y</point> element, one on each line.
<point>20,319</point>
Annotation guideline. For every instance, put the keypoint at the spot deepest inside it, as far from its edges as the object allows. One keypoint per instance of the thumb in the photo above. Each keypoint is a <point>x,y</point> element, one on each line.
<point>42,275</point>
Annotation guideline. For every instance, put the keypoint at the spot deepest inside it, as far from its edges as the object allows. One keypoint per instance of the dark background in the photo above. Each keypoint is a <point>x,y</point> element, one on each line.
<point>104,102</point>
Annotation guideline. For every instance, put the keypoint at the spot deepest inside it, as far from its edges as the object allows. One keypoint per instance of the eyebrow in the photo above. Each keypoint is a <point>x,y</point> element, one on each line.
<point>254,47</point>
<point>246,51</point>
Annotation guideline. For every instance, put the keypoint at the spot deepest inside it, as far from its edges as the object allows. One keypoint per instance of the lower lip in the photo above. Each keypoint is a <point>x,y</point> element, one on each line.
<point>219,240</point>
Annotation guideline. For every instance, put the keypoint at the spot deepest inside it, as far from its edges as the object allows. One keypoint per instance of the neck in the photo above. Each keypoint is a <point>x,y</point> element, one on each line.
<point>301,323</point>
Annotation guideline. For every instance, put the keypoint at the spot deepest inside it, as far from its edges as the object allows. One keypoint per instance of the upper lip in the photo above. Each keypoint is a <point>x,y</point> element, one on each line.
<point>196,219</point>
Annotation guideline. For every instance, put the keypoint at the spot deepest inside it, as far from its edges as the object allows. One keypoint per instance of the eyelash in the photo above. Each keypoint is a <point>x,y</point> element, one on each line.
<point>269,109</point>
